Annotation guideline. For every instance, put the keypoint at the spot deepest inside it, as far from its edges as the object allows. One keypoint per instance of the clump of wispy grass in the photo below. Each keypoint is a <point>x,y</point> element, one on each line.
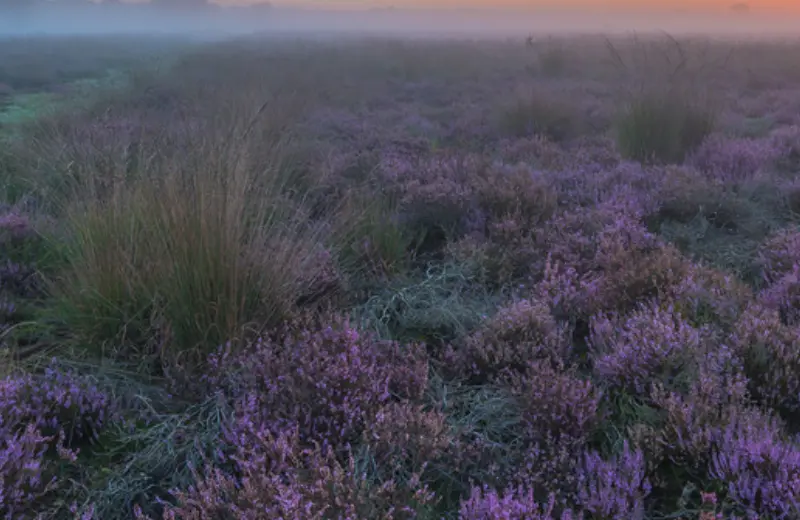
<point>663,128</point>
<point>189,250</point>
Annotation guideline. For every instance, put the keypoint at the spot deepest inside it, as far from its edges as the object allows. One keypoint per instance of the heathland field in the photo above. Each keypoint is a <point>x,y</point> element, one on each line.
<point>397,279</point>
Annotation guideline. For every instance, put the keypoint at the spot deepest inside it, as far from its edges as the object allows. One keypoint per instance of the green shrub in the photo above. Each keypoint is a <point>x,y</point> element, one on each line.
<point>663,129</point>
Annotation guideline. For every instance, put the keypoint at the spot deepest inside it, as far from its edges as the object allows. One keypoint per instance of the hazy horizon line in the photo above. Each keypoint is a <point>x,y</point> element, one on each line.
<point>738,9</point>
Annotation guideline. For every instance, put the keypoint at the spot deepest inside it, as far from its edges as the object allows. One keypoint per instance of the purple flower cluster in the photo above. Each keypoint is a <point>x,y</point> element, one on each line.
<point>760,468</point>
<point>650,345</point>
<point>42,415</point>
<point>514,504</point>
<point>734,161</point>
<point>56,402</point>
<point>23,475</point>
<point>779,254</point>
<point>556,402</point>
<point>327,380</point>
<point>771,353</point>
<point>304,398</point>
<point>605,259</point>
<point>783,296</point>
<point>519,191</point>
<point>709,297</point>
<point>433,192</point>
<point>516,335</point>
<point>693,419</point>
<point>536,150</point>
<point>278,478</point>
<point>406,438</point>
<point>614,489</point>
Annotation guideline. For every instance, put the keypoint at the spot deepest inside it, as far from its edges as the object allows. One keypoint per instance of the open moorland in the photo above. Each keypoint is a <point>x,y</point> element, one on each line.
<point>397,279</point>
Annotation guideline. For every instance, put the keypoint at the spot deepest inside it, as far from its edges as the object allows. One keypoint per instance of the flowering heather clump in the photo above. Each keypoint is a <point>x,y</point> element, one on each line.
<point>693,420</point>
<point>555,402</point>
<point>23,470</point>
<point>513,504</point>
<point>732,161</point>
<point>504,190</point>
<point>652,344</point>
<point>15,279</point>
<point>509,253</point>
<point>406,438</point>
<point>436,192</point>
<point>761,469</point>
<point>550,463</point>
<point>771,353</point>
<point>518,334</point>
<point>509,203</point>
<point>596,151</point>
<point>40,415</point>
<point>506,206</point>
<point>537,151</point>
<point>278,478</point>
<point>613,254</point>
<point>635,262</point>
<point>710,297</point>
<point>779,254</point>
<point>570,238</point>
<point>784,296</point>
<point>57,401</point>
<point>567,293</point>
<point>683,193</point>
<point>625,183</point>
<point>329,380</point>
<point>614,489</point>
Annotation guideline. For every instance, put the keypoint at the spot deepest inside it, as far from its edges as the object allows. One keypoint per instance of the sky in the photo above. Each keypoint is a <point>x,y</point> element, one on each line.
<point>776,17</point>
<point>772,6</point>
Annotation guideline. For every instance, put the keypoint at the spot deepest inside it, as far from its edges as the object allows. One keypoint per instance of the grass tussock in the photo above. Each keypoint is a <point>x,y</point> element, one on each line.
<point>192,251</point>
<point>663,129</point>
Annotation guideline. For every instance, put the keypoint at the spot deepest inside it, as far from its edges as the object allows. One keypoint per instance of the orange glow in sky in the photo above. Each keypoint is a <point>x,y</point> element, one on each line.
<point>764,6</point>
